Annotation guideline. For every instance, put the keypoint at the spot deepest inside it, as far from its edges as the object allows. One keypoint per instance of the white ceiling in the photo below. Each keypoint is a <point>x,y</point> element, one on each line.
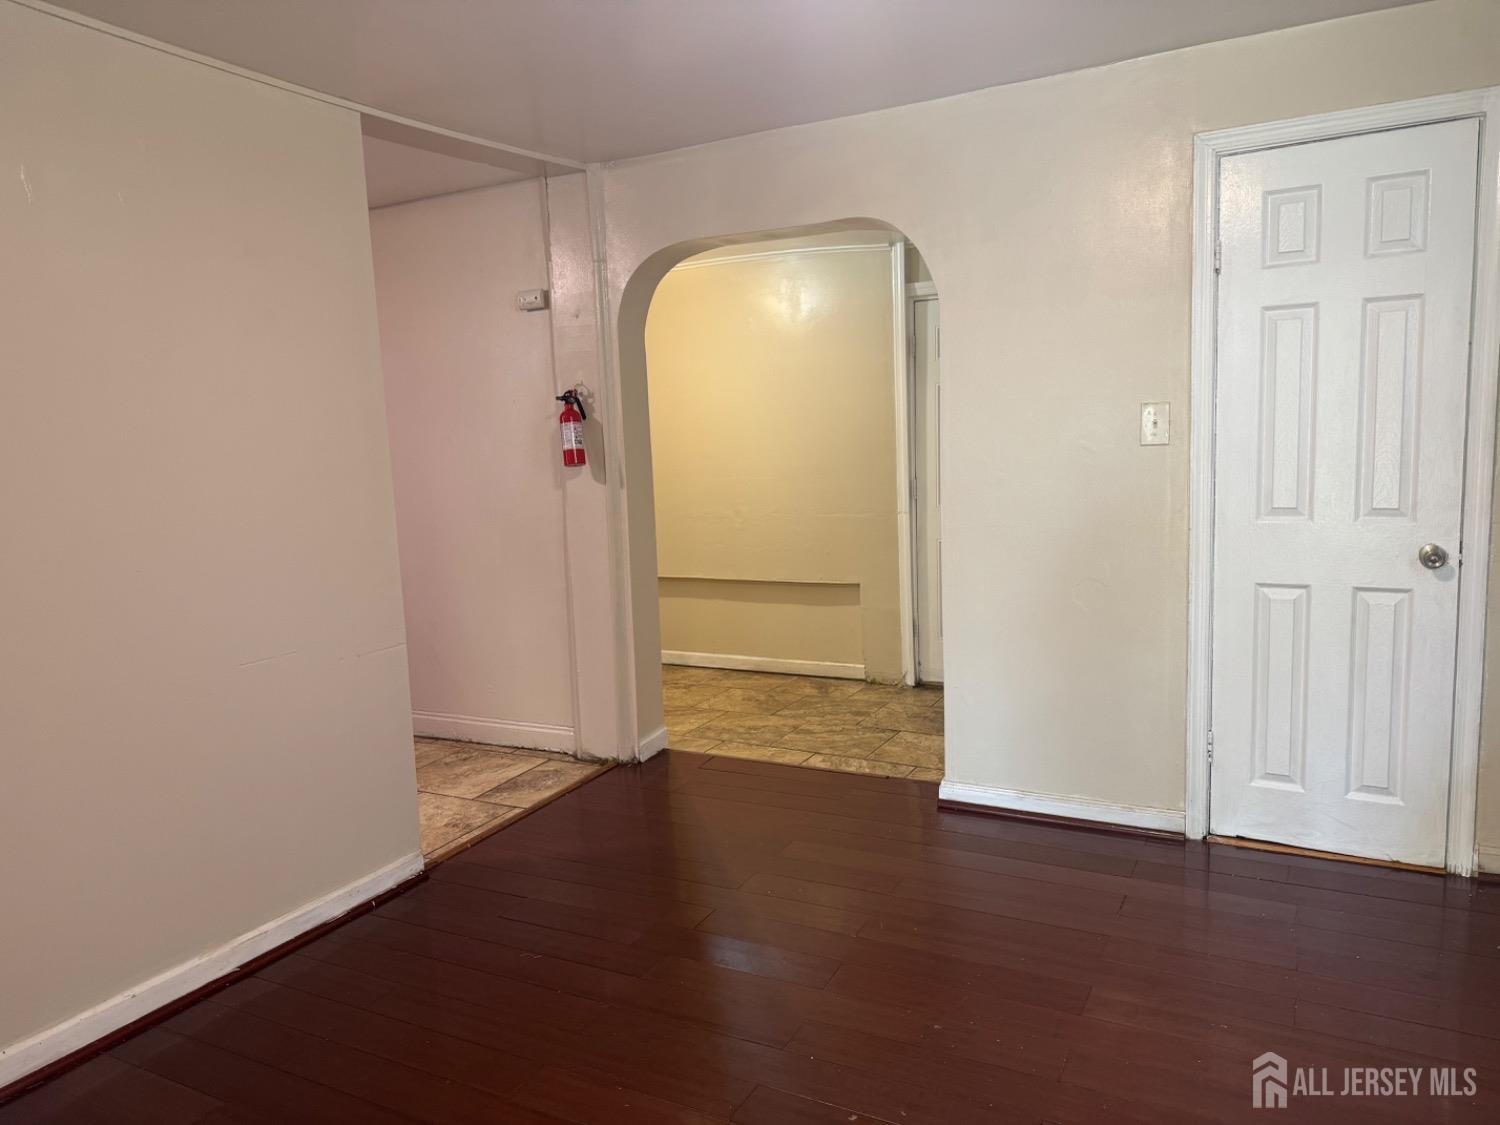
<point>396,173</point>
<point>605,79</point>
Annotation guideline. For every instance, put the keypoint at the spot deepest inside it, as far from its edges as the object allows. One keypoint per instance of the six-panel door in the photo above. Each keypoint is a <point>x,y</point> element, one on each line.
<point>1341,407</point>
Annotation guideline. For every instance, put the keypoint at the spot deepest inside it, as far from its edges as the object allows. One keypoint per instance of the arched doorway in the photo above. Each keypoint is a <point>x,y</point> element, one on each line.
<point>854,642</point>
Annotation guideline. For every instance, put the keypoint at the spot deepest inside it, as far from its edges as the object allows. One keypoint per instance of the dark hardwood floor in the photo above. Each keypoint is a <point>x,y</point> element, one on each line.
<point>710,939</point>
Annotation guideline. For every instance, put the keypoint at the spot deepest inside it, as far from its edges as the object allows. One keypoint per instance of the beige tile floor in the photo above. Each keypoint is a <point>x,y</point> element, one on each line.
<point>806,721</point>
<point>466,791</point>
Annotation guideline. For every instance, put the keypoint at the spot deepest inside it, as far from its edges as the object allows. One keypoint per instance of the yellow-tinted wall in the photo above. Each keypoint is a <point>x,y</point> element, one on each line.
<point>774,452</point>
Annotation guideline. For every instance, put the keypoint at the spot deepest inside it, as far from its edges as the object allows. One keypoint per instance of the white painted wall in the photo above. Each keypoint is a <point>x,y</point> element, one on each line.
<point>593,496</point>
<point>1056,217</point>
<point>204,723</point>
<point>478,479</point>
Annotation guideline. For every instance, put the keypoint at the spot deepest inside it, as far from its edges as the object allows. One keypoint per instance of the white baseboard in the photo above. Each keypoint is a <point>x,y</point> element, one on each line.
<point>765,664</point>
<point>1489,860</point>
<point>653,744</point>
<point>494,732</point>
<point>1077,808</point>
<point>20,1059</point>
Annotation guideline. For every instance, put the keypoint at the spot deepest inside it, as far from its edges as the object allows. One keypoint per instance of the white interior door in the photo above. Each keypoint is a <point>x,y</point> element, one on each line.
<point>927,395</point>
<point>1344,307</point>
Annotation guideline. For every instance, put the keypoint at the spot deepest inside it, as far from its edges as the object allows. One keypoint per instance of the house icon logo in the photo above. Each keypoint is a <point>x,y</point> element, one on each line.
<point>1268,1082</point>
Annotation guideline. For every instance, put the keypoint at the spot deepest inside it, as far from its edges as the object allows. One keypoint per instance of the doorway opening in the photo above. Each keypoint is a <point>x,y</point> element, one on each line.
<point>793,389</point>
<point>456,241</point>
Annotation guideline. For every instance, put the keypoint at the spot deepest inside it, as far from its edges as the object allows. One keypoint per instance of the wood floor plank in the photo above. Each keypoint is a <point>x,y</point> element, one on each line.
<point>680,902</point>
<point>756,958</point>
<point>241,1081</point>
<point>108,1091</point>
<point>624,905</point>
<point>415,966</point>
<point>1406,1035</point>
<point>445,1001</point>
<point>584,1101</point>
<point>699,941</point>
<point>950,829</point>
<point>767,1106</point>
<point>798,1002</point>
<point>980,852</point>
<point>404,1090</point>
<point>457,909</point>
<point>765,1023</point>
<point>444,1056</point>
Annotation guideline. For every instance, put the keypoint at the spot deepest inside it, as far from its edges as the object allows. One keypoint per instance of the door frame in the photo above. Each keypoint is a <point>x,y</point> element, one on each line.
<point>1479,459</point>
<point>906,546</point>
<point>914,291</point>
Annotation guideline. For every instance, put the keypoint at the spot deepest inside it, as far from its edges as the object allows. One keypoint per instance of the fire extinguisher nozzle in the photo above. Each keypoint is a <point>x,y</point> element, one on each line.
<point>570,398</point>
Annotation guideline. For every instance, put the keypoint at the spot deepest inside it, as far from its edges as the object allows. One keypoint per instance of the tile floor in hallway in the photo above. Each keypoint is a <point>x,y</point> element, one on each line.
<point>466,790</point>
<point>848,725</point>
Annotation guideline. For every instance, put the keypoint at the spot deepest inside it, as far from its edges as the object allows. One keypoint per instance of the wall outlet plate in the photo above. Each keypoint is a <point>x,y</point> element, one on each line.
<point>1156,420</point>
<point>531,300</point>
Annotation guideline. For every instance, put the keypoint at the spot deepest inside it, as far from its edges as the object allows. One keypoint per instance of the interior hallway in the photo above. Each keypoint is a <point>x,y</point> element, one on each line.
<point>848,725</point>
<point>766,945</point>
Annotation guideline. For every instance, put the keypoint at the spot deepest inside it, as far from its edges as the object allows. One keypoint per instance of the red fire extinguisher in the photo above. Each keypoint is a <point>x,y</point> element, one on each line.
<point>571,420</point>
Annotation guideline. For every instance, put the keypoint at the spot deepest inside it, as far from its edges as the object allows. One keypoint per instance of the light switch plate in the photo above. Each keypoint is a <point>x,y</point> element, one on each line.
<point>531,300</point>
<point>1156,420</point>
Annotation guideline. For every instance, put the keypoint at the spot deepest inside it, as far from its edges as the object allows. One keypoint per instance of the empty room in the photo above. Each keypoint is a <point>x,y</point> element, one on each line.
<point>750,561</point>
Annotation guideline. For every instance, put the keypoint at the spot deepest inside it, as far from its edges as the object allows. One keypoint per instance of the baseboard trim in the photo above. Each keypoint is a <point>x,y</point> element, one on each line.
<point>53,1050</point>
<point>652,745</point>
<point>1080,810</point>
<point>765,664</point>
<point>493,732</point>
<point>1489,862</point>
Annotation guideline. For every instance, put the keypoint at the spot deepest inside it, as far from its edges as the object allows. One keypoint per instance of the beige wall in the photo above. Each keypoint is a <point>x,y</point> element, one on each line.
<point>472,420</point>
<point>1056,217</point>
<point>774,455</point>
<point>814,622</point>
<point>606,724</point>
<point>204,721</point>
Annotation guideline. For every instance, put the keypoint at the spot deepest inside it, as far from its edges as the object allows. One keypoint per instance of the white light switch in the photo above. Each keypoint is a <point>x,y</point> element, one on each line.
<point>531,300</point>
<point>1155,422</point>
